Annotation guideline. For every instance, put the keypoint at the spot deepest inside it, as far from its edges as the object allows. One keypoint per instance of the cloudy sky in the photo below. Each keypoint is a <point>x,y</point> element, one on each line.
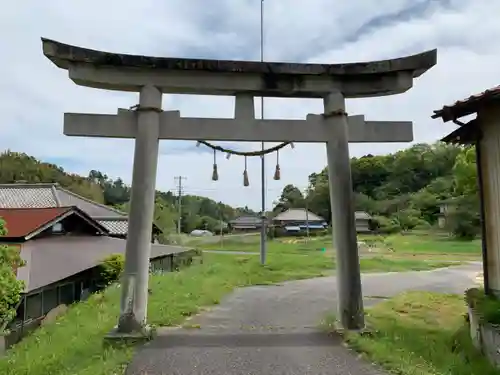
<point>34,93</point>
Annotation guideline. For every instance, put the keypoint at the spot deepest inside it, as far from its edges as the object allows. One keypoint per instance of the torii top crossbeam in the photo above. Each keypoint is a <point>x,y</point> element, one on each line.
<point>116,71</point>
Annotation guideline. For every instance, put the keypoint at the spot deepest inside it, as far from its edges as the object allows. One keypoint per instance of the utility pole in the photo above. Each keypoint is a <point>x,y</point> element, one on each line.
<point>306,200</point>
<point>179,201</point>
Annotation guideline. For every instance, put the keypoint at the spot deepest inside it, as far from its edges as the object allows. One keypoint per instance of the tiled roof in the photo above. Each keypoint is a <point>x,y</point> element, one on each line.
<point>297,214</point>
<point>362,215</point>
<point>467,106</point>
<point>246,220</point>
<point>52,195</point>
<point>21,222</point>
<point>115,226</point>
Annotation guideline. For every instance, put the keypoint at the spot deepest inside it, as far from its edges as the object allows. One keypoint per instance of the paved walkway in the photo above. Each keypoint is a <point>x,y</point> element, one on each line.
<point>272,330</point>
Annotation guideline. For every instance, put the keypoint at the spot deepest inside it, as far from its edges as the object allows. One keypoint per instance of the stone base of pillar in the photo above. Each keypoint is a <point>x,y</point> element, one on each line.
<point>115,336</point>
<point>339,329</point>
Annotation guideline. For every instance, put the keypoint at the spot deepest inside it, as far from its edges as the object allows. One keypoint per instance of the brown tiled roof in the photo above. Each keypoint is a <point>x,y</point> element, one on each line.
<point>23,222</point>
<point>51,259</point>
<point>52,195</point>
<point>20,222</point>
<point>467,106</point>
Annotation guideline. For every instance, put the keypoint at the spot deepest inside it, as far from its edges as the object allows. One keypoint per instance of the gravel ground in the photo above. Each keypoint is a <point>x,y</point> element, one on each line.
<point>273,330</point>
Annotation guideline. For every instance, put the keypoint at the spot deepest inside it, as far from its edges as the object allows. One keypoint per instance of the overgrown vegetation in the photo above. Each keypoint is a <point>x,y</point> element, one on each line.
<point>10,287</point>
<point>112,268</point>
<point>487,307</point>
<point>419,333</point>
<point>73,345</point>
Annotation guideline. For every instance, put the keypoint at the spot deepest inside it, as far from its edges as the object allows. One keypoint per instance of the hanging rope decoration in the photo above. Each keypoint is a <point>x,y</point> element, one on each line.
<point>245,175</point>
<point>277,171</point>
<point>215,174</point>
<point>229,152</point>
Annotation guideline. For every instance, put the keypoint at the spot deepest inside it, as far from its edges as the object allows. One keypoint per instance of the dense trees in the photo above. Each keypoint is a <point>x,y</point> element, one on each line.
<point>407,187</point>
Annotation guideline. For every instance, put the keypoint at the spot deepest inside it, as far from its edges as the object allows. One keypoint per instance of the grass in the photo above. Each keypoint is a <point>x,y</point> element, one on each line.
<point>419,333</point>
<point>73,345</point>
<point>431,244</point>
<point>397,246</point>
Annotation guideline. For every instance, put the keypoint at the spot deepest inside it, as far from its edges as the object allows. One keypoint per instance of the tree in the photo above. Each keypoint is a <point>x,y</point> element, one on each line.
<point>465,172</point>
<point>291,197</point>
<point>10,287</point>
<point>165,218</point>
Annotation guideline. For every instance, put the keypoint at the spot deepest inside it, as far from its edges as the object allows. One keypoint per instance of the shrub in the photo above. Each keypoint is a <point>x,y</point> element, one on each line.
<point>464,221</point>
<point>384,224</point>
<point>10,287</point>
<point>112,268</point>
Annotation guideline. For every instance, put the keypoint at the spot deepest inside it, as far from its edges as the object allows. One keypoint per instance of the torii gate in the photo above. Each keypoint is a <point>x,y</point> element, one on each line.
<point>153,76</point>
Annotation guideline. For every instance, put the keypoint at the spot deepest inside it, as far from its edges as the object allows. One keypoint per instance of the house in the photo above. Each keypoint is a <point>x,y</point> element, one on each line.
<point>363,222</point>
<point>62,248</point>
<point>246,223</point>
<point>46,195</point>
<point>298,220</point>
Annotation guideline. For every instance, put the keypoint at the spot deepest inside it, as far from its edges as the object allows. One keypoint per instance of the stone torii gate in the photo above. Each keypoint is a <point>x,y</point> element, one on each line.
<point>148,123</point>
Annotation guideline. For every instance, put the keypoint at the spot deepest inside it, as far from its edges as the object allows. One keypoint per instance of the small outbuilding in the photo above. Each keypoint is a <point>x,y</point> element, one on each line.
<point>483,132</point>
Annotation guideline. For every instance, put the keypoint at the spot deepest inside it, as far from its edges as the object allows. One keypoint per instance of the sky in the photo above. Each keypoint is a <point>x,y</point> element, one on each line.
<point>34,93</point>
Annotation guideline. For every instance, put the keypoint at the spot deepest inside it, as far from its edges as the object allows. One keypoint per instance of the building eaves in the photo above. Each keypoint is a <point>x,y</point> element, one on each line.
<point>467,106</point>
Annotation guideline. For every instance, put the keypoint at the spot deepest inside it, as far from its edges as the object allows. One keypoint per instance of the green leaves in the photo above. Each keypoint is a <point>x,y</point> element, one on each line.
<point>10,287</point>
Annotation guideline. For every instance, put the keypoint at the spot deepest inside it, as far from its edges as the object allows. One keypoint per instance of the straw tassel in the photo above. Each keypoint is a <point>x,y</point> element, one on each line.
<point>215,173</point>
<point>245,175</point>
<point>277,171</point>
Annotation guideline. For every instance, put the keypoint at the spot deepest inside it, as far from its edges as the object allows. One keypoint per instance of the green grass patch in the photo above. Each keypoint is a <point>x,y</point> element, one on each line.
<point>419,333</point>
<point>399,265</point>
<point>73,345</point>
<point>413,243</point>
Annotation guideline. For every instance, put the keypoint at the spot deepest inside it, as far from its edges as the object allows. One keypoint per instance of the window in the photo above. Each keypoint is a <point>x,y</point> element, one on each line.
<point>57,228</point>
<point>49,299</point>
<point>34,306</point>
<point>66,294</point>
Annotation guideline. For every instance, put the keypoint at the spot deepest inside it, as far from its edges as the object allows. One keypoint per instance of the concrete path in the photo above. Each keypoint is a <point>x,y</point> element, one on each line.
<point>272,330</point>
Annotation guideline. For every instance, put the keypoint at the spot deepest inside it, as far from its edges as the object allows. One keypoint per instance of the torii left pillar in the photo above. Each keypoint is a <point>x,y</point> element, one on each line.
<point>133,309</point>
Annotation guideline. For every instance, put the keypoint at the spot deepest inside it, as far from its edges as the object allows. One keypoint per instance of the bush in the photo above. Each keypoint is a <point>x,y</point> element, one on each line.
<point>382,224</point>
<point>464,221</point>
<point>112,268</point>
<point>10,287</point>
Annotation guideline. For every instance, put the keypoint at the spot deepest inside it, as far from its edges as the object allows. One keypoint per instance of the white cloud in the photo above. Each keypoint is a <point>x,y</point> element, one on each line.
<point>34,94</point>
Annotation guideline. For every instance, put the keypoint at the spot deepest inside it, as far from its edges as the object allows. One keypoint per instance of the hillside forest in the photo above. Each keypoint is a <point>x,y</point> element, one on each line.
<point>402,191</point>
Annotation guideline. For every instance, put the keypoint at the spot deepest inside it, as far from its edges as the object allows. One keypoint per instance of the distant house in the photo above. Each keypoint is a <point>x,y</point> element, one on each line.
<point>246,223</point>
<point>62,247</point>
<point>363,221</point>
<point>445,208</point>
<point>296,220</point>
<point>22,195</point>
